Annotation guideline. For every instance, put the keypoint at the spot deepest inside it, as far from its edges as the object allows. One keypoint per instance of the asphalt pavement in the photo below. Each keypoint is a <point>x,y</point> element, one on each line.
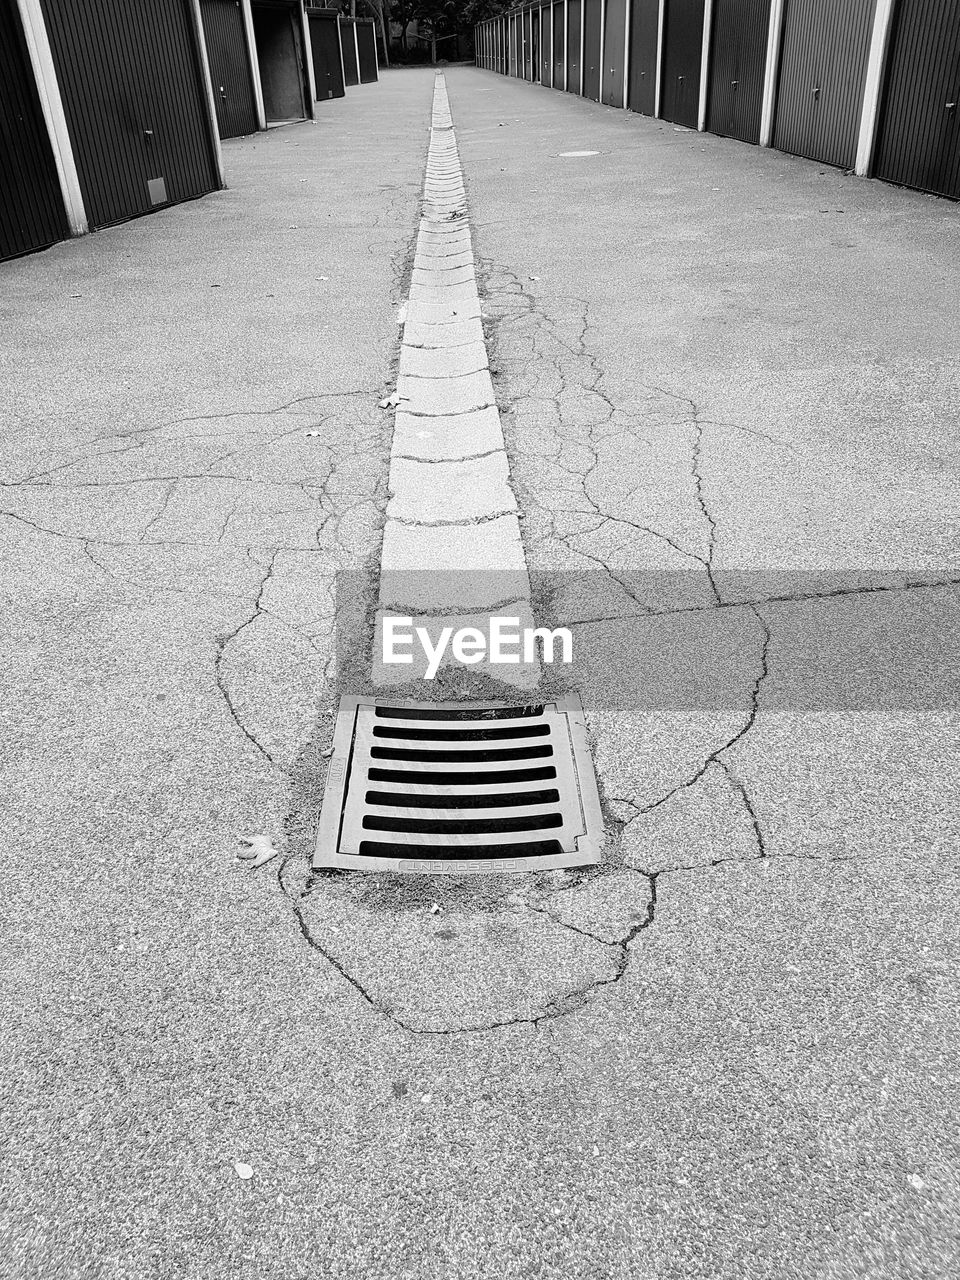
<point>728,385</point>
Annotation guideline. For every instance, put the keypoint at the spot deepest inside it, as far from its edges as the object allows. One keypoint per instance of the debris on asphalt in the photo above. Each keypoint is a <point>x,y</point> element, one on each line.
<point>326,753</point>
<point>243,1171</point>
<point>259,851</point>
<point>436,909</point>
<point>391,401</point>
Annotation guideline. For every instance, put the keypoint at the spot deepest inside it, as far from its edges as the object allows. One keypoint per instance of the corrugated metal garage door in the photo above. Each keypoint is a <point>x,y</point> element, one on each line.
<point>367,50</point>
<point>682,56</point>
<point>528,65</point>
<point>573,45</point>
<point>559,55</point>
<point>591,49</point>
<point>738,55</point>
<point>135,103</point>
<point>535,45</point>
<point>919,135</point>
<point>614,52</point>
<point>327,66</point>
<point>31,203</point>
<point>229,63</point>
<point>512,35</point>
<point>642,90</point>
<point>822,71</point>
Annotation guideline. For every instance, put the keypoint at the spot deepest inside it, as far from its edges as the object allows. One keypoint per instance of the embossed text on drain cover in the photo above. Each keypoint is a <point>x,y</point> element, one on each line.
<point>459,787</point>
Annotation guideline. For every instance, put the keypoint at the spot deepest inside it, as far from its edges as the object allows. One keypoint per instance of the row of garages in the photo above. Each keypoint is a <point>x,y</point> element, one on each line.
<point>113,108</point>
<point>868,85</point>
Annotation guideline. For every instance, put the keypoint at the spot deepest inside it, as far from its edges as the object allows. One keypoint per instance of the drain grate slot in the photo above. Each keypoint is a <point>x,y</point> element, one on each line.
<point>505,800</point>
<point>500,777</point>
<point>454,736</point>
<point>468,757</point>
<point>456,713</point>
<point>427,787</point>
<point>464,826</point>
<point>536,849</point>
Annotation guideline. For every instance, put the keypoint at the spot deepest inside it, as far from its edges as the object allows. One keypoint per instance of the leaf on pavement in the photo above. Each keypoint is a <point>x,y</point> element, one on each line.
<point>258,851</point>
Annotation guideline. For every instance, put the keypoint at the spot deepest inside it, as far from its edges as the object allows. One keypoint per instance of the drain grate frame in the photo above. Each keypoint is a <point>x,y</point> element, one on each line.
<point>459,788</point>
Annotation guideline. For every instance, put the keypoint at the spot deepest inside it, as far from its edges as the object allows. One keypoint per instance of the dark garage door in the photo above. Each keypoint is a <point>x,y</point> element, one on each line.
<point>591,49</point>
<point>229,63</point>
<point>614,47</point>
<point>738,56</point>
<point>573,46</point>
<point>919,137</point>
<point>136,107</point>
<point>280,54</point>
<point>559,56</point>
<point>644,29</point>
<point>367,49</point>
<point>823,66</point>
<point>325,44</point>
<point>31,204</point>
<point>682,56</point>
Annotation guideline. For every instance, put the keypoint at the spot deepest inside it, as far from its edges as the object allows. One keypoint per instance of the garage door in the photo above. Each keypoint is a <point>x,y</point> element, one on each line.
<point>135,103</point>
<point>229,63</point>
<point>644,31</point>
<point>682,57</point>
<point>738,56</point>
<point>574,19</point>
<point>591,48</point>
<point>919,137</point>
<point>31,203</point>
<point>327,64</point>
<point>614,52</point>
<point>559,55</point>
<point>823,66</point>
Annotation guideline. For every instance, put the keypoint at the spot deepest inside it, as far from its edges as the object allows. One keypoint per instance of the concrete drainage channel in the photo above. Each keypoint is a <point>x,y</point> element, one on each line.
<point>444,789</point>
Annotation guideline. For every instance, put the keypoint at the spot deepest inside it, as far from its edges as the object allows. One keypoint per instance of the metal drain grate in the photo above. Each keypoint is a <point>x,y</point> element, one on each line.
<point>459,787</point>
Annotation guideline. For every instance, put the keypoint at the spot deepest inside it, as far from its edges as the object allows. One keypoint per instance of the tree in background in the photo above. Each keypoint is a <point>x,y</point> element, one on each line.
<point>438,21</point>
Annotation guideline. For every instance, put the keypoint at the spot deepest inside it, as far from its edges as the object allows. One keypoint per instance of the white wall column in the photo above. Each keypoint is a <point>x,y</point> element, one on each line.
<point>879,42</point>
<point>48,89</point>
<point>566,45</point>
<point>705,65</point>
<point>658,87</point>
<point>772,72</point>
<point>248,31</point>
<point>308,58</point>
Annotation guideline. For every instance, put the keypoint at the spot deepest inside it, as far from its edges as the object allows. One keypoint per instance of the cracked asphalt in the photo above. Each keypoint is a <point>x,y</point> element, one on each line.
<point>728,385</point>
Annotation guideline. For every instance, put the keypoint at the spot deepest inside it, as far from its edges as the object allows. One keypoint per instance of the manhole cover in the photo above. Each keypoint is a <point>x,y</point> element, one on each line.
<point>459,787</point>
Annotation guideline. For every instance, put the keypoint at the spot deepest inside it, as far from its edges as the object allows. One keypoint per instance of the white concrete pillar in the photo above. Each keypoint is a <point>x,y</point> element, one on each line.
<point>212,127</point>
<point>248,31</point>
<point>658,87</point>
<point>603,38</point>
<point>308,57</point>
<point>705,65</point>
<point>772,72</point>
<point>626,53</point>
